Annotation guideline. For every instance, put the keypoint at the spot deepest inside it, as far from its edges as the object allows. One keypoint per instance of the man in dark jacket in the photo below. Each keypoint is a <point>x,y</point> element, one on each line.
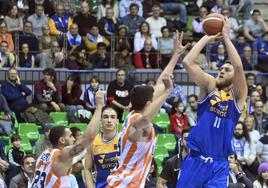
<point>25,178</point>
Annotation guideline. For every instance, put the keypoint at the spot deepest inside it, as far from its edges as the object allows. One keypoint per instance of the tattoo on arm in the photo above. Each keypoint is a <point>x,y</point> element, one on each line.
<point>76,149</point>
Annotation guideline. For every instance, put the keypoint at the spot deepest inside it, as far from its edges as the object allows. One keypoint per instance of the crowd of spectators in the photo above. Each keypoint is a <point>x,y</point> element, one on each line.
<point>125,27</point>
<point>128,35</point>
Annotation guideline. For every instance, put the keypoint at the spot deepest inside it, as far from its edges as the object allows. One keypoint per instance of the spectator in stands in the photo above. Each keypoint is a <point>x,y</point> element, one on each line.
<point>142,35</point>
<point>262,148</point>
<point>217,60</point>
<point>253,133</point>
<point>217,8</point>
<point>151,178</point>
<point>47,4</point>
<point>71,93</point>
<point>26,58</point>
<point>84,20</point>
<point>74,39</point>
<point>71,7</point>
<point>242,5</point>
<point>155,21</point>
<point>240,43</point>
<point>171,167</point>
<point>39,20</point>
<point>108,4</point>
<point>6,124</point>
<point>262,46</point>
<point>237,178</point>
<point>109,24</point>
<point>118,93</point>
<point>90,93</point>
<point>46,39</point>
<point>121,38</point>
<point>4,167</point>
<point>245,149</point>
<point>26,36</point>
<point>100,59</point>
<point>251,81</point>
<point>233,22</point>
<point>26,177</point>
<point>78,60</point>
<point>105,143</point>
<point>59,23</point>
<point>16,94</point>
<point>165,45</point>
<point>259,115</point>
<point>43,143</point>
<point>14,20</point>
<point>7,59</point>
<point>5,36</point>
<point>93,38</point>
<point>48,92</point>
<point>197,24</point>
<point>247,59</point>
<point>262,91</point>
<point>125,7</point>
<point>124,59</point>
<point>191,110</point>
<point>255,27</point>
<point>132,20</point>
<point>178,119</point>
<point>147,57</point>
<point>52,58</point>
<point>16,153</point>
<point>176,7</point>
<point>262,177</point>
<point>250,101</point>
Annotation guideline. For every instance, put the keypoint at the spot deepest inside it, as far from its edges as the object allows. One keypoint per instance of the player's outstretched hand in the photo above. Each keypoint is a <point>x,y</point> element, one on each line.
<point>168,83</point>
<point>178,47</point>
<point>100,98</point>
<point>213,38</point>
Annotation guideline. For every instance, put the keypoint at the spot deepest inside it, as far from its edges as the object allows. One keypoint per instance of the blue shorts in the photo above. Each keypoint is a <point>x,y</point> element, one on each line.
<point>201,172</point>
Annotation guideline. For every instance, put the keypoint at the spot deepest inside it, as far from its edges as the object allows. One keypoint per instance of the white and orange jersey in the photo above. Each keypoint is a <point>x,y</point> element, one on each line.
<point>135,159</point>
<point>44,176</point>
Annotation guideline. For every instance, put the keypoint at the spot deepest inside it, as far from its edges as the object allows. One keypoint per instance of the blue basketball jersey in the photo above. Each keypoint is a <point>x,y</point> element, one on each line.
<point>105,158</point>
<point>217,117</point>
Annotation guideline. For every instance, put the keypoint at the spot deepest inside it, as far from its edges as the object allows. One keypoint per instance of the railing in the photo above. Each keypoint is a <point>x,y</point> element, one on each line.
<point>30,76</point>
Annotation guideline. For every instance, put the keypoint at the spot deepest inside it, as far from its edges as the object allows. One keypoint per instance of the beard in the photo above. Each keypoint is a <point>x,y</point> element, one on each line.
<point>223,84</point>
<point>238,136</point>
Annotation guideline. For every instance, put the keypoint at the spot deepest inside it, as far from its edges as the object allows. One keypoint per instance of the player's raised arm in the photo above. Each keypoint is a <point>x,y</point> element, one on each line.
<point>239,80</point>
<point>179,49</point>
<point>205,81</point>
<point>65,158</point>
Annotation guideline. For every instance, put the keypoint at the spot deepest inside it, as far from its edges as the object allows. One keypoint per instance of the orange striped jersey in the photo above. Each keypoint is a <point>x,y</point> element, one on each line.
<point>135,159</point>
<point>44,176</point>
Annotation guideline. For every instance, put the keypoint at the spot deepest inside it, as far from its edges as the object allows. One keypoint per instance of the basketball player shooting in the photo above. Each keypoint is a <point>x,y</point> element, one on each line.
<point>221,101</point>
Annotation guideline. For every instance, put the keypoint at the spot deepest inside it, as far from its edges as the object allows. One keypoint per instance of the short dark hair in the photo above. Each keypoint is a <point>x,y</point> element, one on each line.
<point>100,45</point>
<point>255,11</point>
<point>163,28</point>
<point>108,107</point>
<point>14,138</point>
<point>55,134</point>
<point>26,157</point>
<point>134,5</point>
<point>140,95</point>
<point>194,96</point>
<point>121,69</point>
<point>250,74</point>
<point>50,72</point>
<point>94,77</point>
<point>74,130</point>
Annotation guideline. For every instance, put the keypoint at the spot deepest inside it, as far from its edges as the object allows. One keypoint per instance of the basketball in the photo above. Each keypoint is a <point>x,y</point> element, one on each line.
<point>213,23</point>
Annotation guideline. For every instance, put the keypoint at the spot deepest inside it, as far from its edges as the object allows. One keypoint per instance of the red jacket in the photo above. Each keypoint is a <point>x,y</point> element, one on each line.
<point>178,122</point>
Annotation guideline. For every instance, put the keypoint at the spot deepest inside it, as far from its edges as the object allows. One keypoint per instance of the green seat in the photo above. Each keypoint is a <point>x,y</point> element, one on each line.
<point>25,145</point>
<point>160,154</point>
<point>30,130</point>
<point>167,140</point>
<point>124,116</point>
<point>59,118</point>
<point>93,4</point>
<point>162,121</point>
<point>81,126</point>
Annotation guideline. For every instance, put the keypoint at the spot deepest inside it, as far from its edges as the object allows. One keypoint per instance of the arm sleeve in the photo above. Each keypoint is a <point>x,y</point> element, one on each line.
<point>11,159</point>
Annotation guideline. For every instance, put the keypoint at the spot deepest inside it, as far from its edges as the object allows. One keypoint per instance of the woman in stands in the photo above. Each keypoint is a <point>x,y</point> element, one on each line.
<point>14,20</point>
<point>26,59</point>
